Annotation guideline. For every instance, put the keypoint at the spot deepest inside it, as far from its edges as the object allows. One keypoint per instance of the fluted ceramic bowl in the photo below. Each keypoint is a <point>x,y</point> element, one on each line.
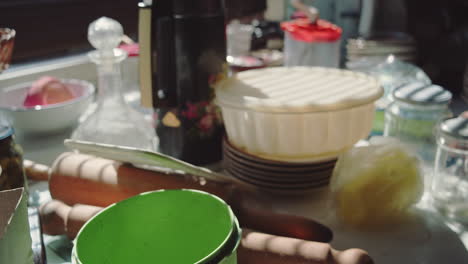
<point>47,118</point>
<point>297,114</point>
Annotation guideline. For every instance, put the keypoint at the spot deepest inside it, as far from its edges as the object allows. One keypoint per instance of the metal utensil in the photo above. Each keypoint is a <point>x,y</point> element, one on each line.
<point>144,157</point>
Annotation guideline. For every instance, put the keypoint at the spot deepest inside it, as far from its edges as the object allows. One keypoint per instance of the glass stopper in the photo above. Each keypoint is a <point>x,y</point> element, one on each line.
<point>105,34</point>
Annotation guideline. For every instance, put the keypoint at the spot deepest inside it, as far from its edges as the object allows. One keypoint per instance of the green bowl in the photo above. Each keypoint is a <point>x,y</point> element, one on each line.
<point>168,226</point>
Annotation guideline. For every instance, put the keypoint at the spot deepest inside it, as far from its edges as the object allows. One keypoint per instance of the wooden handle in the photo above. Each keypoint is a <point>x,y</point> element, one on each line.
<point>82,179</point>
<point>265,248</point>
<point>61,219</point>
<point>255,247</point>
<point>35,171</point>
<point>54,215</point>
<point>77,178</point>
<point>271,222</point>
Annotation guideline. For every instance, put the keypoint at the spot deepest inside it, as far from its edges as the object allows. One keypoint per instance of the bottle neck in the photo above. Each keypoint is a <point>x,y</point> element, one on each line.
<point>109,76</point>
<point>109,82</point>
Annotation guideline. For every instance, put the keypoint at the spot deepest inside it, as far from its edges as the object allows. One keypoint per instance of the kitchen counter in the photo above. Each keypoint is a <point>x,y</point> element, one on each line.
<point>424,238</point>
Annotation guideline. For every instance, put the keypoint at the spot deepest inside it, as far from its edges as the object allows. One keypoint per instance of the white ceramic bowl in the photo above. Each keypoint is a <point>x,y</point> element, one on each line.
<point>297,113</point>
<point>48,118</point>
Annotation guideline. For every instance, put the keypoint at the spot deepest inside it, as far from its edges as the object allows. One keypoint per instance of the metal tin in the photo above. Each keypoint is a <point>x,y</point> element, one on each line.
<point>11,161</point>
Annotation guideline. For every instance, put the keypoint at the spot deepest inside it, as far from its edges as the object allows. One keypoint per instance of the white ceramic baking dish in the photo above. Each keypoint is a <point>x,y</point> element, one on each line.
<point>297,113</point>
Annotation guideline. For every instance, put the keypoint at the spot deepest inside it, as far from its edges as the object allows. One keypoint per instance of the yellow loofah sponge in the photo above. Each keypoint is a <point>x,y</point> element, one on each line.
<point>375,185</point>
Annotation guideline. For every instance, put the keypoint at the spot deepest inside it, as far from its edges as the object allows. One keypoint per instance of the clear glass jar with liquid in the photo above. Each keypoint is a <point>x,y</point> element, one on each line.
<point>413,116</point>
<point>450,186</point>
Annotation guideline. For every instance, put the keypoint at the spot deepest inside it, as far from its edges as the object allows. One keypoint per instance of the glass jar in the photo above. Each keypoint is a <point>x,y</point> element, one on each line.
<point>450,185</point>
<point>413,116</point>
<point>11,161</point>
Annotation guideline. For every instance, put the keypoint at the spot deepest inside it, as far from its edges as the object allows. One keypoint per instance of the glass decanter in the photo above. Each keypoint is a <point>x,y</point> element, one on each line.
<point>110,120</point>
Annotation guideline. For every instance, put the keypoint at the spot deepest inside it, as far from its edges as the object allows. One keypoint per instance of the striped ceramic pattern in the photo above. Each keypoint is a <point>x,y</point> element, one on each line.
<point>421,93</point>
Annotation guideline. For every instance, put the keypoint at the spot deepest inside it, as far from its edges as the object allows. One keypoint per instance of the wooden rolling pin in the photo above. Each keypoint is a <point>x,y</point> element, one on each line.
<point>36,171</point>
<point>255,248</point>
<point>82,179</point>
<point>260,248</point>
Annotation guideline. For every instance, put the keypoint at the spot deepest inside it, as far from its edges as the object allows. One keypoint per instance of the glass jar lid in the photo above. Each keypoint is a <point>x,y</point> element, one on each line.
<point>422,94</point>
<point>456,127</point>
<point>5,131</point>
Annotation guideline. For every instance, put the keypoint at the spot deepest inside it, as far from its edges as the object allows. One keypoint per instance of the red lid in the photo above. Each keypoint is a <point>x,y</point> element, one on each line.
<point>321,31</point>
<point>132,49</point>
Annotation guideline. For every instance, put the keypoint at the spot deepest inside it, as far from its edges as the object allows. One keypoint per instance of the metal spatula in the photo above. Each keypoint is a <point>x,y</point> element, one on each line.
<point>144,157</point>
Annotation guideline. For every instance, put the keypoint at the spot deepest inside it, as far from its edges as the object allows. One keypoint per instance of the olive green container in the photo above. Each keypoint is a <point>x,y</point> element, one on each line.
<point>168,226</point>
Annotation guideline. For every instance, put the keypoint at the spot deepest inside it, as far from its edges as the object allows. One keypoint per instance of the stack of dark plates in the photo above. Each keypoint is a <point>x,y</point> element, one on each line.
<point>401,46</point>
<point>276,176</point>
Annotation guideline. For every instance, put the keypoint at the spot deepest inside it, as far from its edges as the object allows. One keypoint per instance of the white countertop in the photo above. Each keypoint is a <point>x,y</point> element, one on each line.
<point>425,238</point>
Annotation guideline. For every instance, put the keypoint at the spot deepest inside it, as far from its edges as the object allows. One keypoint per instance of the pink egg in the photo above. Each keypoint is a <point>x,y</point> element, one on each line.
<point>47,90</point>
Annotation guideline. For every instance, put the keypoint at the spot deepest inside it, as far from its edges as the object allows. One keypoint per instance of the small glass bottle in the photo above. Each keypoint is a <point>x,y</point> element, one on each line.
<point>413,115</point>
<point>450,185</point>
<point>11,161</point>
<point>111,120</point>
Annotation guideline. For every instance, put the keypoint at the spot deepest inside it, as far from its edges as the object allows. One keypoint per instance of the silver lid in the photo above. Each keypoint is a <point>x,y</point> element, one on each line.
<point>5,131</point>
<point>422,94</point>
<point>456,127</point>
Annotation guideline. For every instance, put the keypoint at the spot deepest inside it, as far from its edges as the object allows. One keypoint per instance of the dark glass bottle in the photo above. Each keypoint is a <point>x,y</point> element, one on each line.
<point>187,53</point>
<point>11,161</point>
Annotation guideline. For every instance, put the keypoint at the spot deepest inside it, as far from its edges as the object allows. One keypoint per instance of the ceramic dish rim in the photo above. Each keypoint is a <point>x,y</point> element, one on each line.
<point>241,102</point>
<point>278,180</point>
<point>289,162</point>
<point>273,186</point>
<point>89,92</point>
<point>275,173</point>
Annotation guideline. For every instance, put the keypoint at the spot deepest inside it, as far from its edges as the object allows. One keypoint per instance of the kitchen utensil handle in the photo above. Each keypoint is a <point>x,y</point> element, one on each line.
<point>78,178</point>
<point>61,219</point>
<point>265,248</point>
<point>36,171</point>
<point>144,157</point>
<point>268,221</point>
